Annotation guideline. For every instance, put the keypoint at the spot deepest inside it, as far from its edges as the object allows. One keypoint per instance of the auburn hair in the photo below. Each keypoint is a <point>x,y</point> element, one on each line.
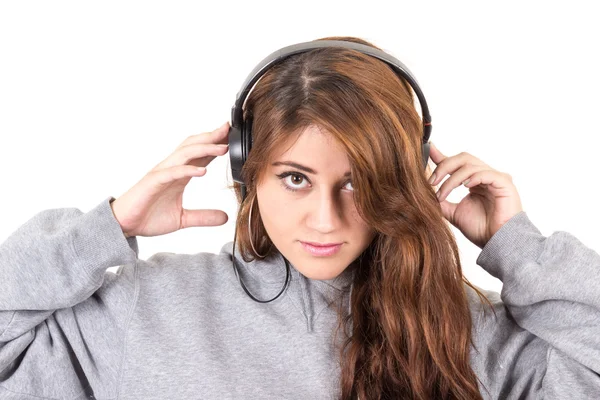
<point>408,334</point>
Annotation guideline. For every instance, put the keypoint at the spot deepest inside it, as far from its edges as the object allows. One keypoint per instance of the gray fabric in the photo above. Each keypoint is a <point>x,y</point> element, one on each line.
<point>179,326</point>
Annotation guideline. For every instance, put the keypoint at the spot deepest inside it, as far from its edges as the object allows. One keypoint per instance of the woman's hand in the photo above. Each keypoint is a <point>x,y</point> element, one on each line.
<point>154,205</point>
<point>492,200</point>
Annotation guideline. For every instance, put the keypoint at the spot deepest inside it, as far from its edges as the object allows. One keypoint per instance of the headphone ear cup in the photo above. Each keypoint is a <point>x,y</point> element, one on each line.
<point>236,153</point>
<point>246,139</point>
<point>240,143</point>
<point>247,132</point>
<point>246,146</point>
<point>426,147</point>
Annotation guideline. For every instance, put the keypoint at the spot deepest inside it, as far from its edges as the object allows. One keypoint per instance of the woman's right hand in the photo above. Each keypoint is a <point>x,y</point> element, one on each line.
<point>153,206</point>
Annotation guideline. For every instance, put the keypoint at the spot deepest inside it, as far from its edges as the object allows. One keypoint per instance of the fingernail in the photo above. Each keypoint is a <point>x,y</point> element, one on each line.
<point>432,179</point>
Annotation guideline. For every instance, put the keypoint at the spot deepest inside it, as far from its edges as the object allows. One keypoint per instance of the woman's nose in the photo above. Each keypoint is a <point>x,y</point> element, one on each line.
<point>326,213</point>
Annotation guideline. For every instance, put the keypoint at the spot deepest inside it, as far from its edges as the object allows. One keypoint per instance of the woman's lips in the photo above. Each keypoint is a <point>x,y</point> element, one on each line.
<point>321,250</point>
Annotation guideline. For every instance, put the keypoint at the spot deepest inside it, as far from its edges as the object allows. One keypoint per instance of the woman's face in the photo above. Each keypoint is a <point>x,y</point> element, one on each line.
<point>320,210</point>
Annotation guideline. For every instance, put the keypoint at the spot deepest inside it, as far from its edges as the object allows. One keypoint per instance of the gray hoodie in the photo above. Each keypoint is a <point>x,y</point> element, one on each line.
<point>179,326</point>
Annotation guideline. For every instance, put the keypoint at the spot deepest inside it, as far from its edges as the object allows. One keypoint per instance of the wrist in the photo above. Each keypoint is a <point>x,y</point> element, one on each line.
<point>115,215</point>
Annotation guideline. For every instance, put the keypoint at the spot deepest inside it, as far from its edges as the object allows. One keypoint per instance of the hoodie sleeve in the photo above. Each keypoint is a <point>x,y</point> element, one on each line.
<point>63,316</point>
<point>544,339</point>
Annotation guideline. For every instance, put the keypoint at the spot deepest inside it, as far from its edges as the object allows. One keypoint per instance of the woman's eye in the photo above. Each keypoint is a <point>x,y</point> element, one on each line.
<point>295,180</point>
<point>292,183</point>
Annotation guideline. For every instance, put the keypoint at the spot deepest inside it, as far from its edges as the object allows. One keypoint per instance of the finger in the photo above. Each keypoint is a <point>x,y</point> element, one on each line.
<point>435,154</point>
<point>457,178</point>
<point>450,165</point>
<point>495,179</point>
<point>448,210</point>
<point>218,136</point>
<point>222,135</point>
<point>169,175</point>
<point>199,155</point>
<point>192,218</point>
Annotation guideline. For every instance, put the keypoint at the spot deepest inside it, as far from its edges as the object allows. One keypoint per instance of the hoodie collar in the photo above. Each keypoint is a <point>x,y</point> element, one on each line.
<point>265,278</point>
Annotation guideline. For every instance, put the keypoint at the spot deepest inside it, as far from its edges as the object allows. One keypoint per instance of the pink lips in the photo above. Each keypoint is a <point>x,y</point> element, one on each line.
<point>319,250</point>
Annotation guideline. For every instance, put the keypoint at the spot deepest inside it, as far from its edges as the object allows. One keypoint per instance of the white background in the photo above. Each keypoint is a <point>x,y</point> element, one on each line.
<point>93,95</point>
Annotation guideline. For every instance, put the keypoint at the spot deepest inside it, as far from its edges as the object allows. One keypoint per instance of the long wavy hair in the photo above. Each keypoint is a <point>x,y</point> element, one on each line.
<point>409,330</point>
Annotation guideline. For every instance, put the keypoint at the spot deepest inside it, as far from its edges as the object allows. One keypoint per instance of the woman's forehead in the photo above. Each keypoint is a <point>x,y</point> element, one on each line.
<point>310,140</point>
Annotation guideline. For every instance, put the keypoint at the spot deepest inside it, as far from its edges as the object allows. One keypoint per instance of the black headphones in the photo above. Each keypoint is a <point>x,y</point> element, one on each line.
<point>240,133</point>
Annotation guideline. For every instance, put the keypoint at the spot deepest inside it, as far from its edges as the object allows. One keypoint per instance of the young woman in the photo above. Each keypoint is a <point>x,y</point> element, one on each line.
<point>341,227</point>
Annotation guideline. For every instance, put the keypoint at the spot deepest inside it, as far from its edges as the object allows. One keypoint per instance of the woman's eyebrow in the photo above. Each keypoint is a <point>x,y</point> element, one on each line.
<point>301,167</point>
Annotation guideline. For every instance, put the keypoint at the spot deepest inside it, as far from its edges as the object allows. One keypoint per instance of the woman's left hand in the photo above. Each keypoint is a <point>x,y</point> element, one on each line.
<point>492,200</point>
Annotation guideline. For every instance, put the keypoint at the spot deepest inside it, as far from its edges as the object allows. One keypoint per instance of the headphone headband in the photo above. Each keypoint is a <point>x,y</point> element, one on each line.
<point>279,55</point>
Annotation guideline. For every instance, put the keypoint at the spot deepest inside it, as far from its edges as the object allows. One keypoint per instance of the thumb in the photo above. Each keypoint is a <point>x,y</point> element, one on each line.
<point>448,210</point>
<point>192,218</point>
